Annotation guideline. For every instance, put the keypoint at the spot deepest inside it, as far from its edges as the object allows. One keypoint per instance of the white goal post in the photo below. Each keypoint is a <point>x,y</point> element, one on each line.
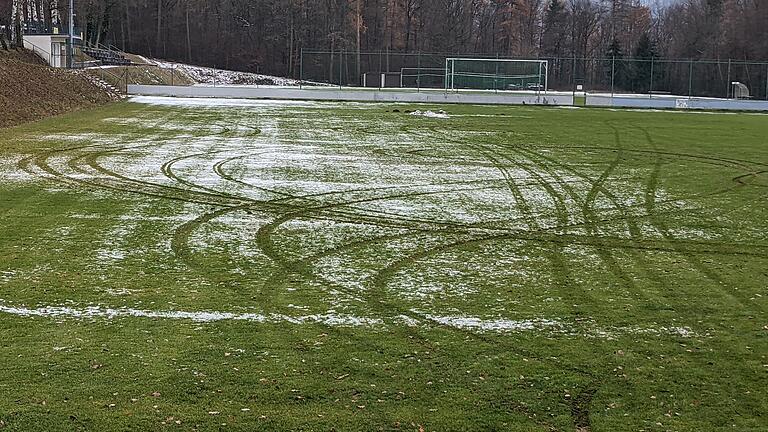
<point>496,74</point>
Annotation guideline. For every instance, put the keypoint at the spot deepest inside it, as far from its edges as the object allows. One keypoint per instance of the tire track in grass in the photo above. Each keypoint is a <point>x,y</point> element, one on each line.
<point>91,159</point>
<point>41,162</point>
<point>183,233</point>
<point>589,209</point>
<point>579,412</point>
<point>521,202</point>
<point>724,162</point>
<point>593,219</point>
<point>379,303</point>
<point>753,175</point>
<point>666,233</point>
<point>304,268</point>
<point>414,333</point>
<point>218,168</point>
<point>580,405</point>
<point>557,256</point>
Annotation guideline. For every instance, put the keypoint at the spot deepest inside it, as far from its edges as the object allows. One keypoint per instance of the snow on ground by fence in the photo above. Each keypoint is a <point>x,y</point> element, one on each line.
<point>211,76</point>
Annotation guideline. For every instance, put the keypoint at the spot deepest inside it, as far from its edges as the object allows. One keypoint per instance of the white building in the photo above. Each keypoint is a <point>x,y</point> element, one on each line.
<point>50,47</point>
<point>42,30</point>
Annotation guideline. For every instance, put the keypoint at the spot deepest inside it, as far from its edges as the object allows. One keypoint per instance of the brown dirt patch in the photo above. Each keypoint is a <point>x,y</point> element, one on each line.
<point>30,90</point>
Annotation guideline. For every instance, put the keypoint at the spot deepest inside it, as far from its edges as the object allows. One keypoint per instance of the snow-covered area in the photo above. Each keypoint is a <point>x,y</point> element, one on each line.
<point>431,114</point>
<point>221,103</point>
<point>211,76</point>
<point>365,207</point>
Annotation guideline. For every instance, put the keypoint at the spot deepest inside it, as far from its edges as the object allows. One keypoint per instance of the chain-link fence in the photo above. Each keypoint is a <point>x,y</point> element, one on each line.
<point>650,77</point>
<point>120,77</point>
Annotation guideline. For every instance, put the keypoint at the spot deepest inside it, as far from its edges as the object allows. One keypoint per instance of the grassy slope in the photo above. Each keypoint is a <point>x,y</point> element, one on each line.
<point>119,76</point>
<point>31,90</point>
<point>315,377</point>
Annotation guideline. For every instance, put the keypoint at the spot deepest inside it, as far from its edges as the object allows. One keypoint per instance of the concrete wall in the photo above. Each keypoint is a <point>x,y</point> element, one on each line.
<point>354,95</point>
<point>671,102</point>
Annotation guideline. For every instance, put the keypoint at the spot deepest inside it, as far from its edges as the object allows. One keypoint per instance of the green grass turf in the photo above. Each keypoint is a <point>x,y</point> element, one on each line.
<point>526,269</point>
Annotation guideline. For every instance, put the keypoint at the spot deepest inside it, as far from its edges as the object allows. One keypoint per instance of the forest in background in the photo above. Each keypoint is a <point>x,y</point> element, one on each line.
<point>267,36</point>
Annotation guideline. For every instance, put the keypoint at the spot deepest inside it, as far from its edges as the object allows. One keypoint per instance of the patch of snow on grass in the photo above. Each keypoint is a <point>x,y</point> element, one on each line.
<point>222,103</point>
<point>9,171</point>
<point>431,114</point>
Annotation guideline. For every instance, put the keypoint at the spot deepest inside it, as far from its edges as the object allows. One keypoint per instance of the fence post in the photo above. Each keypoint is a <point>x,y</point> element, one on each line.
<point>341,67</point>
<point>728,82</point>
<point>418,72</point>
<point>173,74</point>
<point>378,78</point>
<point>766,82</point>
<point>690,78</point>
<point>301,69</point>
<point>613,76</point>
<point>650,92</point>
<point>573,78</point>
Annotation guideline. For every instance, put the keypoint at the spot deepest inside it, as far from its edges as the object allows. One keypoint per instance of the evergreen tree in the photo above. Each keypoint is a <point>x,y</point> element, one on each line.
<point>555,27</point>
<point>643,65</point>
<point>616,66</point>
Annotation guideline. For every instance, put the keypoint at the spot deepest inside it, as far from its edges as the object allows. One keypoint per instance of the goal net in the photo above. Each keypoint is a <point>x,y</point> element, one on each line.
<point>496,74</point>
<point>740,91</point>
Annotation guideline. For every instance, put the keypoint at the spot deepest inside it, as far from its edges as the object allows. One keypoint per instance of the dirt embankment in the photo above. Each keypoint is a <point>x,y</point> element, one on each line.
<point>30,90</point>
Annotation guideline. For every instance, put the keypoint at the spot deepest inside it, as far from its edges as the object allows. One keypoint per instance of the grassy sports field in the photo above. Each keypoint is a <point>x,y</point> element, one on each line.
<point>202,265</point>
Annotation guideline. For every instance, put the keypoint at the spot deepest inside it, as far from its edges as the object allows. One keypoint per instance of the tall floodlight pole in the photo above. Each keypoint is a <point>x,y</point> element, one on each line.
<point>71,57</point>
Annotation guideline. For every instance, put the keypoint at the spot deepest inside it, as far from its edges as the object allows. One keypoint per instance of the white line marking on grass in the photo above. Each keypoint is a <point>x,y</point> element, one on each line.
<point>501,326</point>
<point>474,323</point>
<point>95,312</point>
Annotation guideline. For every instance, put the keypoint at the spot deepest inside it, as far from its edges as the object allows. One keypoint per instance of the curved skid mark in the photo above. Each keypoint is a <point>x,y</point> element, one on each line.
<point>218,168</point>
<point>666,233</point>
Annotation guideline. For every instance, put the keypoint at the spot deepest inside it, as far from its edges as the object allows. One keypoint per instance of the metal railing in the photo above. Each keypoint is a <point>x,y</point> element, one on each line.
<point>120,77</point>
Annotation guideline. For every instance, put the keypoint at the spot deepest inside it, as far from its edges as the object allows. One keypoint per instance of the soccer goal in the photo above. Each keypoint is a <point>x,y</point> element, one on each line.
<point>496,74</point>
